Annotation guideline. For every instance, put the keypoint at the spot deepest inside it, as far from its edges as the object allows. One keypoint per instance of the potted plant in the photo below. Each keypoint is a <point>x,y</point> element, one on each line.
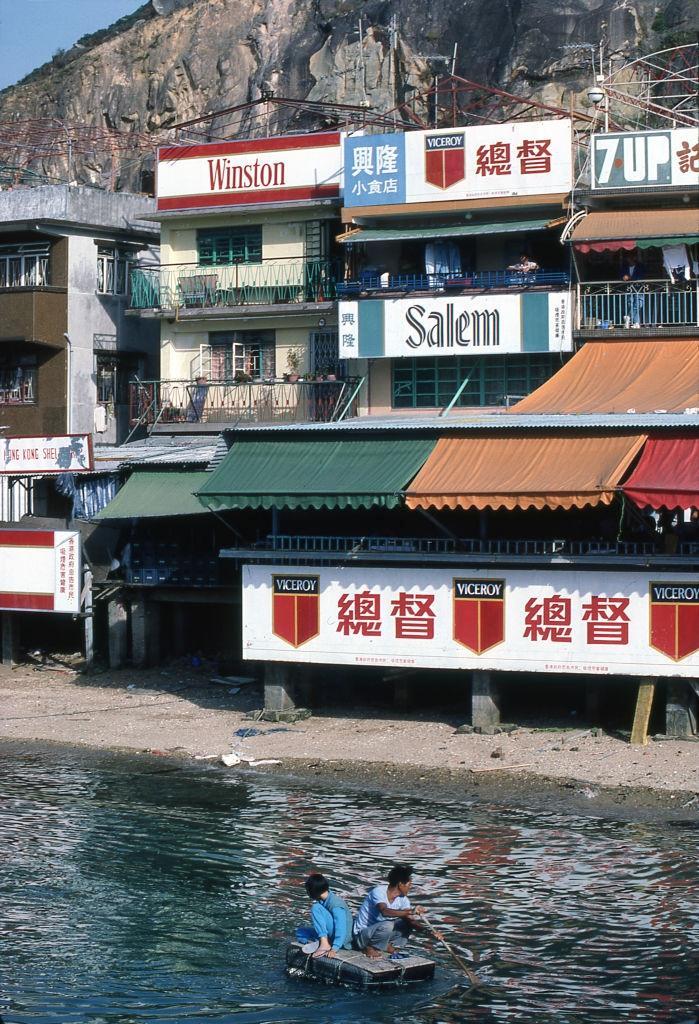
<point>329,373</point>
<point>241,377</point>
<point>292,361</point>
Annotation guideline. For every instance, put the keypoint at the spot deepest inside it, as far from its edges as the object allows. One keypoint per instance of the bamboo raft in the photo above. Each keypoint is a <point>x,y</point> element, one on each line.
<point>357,970</point>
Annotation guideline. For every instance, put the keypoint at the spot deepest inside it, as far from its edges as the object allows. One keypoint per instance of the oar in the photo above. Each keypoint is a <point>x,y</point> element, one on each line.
<point>471,975</point>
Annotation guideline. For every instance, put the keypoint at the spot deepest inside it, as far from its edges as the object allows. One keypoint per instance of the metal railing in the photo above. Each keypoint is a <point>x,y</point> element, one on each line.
<point>652,303</point>
<point>192,286</point>
<point>234,402</point>
<point>372,282</point>
<point>305,544</point>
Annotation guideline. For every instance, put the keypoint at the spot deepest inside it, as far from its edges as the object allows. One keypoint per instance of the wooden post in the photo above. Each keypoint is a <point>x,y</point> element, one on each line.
<point>592,701</point>
<point>10,639</point>
<point>679,709</point>
<point>641,718</point>
<point>485,700</point>
<point>279,687</point>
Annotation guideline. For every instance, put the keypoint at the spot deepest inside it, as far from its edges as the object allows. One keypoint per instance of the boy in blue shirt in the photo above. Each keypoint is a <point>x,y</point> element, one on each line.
<point>386,918</point>
<point>330,916</point>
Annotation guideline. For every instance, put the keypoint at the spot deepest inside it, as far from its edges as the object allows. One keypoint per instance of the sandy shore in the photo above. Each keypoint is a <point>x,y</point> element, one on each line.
<point>182,713</point>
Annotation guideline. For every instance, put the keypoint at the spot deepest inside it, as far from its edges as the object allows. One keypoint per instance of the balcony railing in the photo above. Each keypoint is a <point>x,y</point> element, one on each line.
<point>191,286</point>
<point>485,279</point>
<point>236,402</point>
<point>652,303</point>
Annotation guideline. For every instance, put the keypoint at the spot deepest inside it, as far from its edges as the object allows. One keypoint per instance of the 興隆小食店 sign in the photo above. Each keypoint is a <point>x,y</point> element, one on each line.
<point>528,620</point>
<point>288,168</point>
<point>24,456</point>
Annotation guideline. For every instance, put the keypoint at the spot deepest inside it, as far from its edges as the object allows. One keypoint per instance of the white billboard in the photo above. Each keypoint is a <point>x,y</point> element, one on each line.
<point>520,158</point>
<point>25,456</point>
<point>523,620</point>
<point>287,168</point>
<point>40,571</point>
<point>646,160</point>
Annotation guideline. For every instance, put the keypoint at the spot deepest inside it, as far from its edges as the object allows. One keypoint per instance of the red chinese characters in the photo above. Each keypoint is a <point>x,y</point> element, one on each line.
<point>493,159</point>
<point>535,156</point>
<point>414,616</point>
<point>548,619</point>
<point>688,157</point>
<point>359,614</point>
<point>607,621</point>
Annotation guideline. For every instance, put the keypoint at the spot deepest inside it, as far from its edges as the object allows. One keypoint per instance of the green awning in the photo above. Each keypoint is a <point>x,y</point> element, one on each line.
<point>318,473</point>
<point>658,243</point>
<point>510,227</point>
<point>163,493</point>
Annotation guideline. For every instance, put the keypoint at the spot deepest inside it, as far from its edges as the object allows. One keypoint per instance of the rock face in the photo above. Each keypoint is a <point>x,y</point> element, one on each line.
<point>182,58</point>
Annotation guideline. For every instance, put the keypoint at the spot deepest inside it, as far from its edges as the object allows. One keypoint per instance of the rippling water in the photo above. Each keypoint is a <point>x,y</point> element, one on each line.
<point>133,891</point>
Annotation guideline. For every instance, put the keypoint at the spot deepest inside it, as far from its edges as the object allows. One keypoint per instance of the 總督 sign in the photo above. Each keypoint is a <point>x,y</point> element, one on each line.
<point>646,159</point>
<point>516,159</point>
<point>24,456</point>
<point>40,571</point>
<point>285,169</point>
<point>490,324</point>
<point>513,620</point>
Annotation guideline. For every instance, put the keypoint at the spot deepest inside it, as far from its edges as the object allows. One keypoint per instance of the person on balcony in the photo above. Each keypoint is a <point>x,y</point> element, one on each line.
<point>525,265</point>
<point>633,272</point>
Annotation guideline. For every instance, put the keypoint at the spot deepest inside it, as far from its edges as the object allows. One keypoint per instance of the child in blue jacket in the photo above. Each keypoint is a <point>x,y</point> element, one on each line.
<point>330,917</point>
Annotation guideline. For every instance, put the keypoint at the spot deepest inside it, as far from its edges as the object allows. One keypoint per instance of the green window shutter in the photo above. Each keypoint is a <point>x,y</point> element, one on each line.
<point>432,383</point>
<point>224,246</point>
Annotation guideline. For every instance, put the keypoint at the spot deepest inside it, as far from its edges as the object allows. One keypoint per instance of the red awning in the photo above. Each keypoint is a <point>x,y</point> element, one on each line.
<point>667,474</point>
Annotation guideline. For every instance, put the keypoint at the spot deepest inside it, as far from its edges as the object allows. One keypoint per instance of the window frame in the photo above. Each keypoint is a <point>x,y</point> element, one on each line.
<point>227,246</point>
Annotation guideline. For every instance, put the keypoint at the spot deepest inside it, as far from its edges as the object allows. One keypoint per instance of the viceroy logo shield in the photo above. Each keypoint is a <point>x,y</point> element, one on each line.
<point>445,159</point>
<point>296,608</point>
<point>479,613</point>
<point>674,618</point>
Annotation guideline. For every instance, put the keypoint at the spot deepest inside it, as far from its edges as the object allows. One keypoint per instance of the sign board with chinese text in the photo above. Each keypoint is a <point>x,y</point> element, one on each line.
<point>289,168</point>
<point>523,620</point>
<point>646,159</point>
<point>25,456</point>
<point>516,159</point>
<point>40,571</point>
<point>491,324</point>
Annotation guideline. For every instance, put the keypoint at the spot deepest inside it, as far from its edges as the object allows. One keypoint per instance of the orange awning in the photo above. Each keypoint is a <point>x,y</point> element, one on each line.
<point>622,376</point>
<point>533,471</point>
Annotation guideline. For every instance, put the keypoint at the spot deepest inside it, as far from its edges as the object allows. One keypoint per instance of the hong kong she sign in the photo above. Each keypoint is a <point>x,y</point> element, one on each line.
<point>517,620</point>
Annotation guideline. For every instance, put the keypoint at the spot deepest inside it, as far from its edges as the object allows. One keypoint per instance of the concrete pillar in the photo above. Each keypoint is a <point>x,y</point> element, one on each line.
<point>179,637</point>
<point>10,639</point>
<point>145,632</point>
<point>680,709</point>
<point>592,701</point>
<point>279,686</point>
<point>117,628</point>
<point>485,699</point>
<point>88,621</point>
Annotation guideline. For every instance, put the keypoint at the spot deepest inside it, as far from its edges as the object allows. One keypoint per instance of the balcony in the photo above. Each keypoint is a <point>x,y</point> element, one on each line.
<point>191,287</point>
<point>652,304</point>
<point>184,405</point>
<point>485,280</point>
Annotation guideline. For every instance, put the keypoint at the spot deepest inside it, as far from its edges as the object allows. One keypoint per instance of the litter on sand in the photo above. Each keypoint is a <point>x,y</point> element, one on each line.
<point>232,759</point>
<point>233,680</point>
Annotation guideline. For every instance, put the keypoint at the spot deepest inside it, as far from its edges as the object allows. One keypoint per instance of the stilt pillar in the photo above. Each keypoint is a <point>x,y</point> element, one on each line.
<point>117,626</point>
<point>145,632</point>
<point>680,709</point>
<point>279,686</point>
<point>485,699</point>
<point>10,639</point>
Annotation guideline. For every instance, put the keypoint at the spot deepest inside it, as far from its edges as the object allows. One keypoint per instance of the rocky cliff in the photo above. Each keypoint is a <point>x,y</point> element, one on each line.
<point>174,60</point>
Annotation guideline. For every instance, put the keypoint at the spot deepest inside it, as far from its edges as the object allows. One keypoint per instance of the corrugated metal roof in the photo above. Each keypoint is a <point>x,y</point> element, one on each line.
<point>164,449</point>
<point>487,422</point>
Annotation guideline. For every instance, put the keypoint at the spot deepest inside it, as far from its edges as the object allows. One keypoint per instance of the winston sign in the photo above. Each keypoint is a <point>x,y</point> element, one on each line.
<point>517,620</point>
<point>279,170</point>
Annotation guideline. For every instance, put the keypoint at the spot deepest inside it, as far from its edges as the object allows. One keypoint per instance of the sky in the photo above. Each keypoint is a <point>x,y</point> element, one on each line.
<point>31,31</point>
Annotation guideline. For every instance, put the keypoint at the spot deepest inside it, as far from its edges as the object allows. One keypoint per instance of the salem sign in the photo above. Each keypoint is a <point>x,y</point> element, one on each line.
<point>520,620</point>
<point>464,325</point>
<point>286,169</point>
<point>40,571</point>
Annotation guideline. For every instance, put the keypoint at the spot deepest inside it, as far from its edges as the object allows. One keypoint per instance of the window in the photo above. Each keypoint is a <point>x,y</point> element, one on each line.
<point>18,380</point>
<point>112,269</point>
<point>112,374</point>
<point>222,246</point>
<point>249,352</point>
<point>324,351</point>
<point>492,380</point>
<point>24,266</point>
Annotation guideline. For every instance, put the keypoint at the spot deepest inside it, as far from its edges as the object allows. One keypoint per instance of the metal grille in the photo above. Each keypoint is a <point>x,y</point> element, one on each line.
<point>324,351</point>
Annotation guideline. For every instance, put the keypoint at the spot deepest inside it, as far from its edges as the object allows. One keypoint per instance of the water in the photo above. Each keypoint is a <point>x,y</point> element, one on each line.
<point>136,891</point>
